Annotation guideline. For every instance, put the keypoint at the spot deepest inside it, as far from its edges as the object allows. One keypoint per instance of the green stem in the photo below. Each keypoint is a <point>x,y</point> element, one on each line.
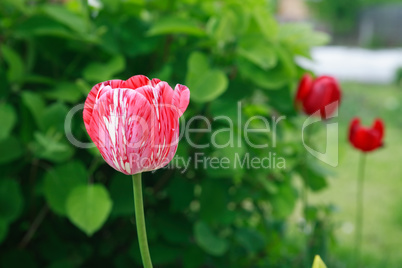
<point>140,220</point>
<point>359,208</point>
<point>305,200</point>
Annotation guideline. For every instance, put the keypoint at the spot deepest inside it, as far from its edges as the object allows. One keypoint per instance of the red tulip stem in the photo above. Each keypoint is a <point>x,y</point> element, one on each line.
<point>140,221</point>
<point>359,208</point>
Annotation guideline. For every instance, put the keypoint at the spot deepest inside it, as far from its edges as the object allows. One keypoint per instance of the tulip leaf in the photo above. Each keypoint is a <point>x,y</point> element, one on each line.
<point>88,207</point>
<point>11,201</point>
<point>205,84</point>
<point>208,241</point>
<point>8,119</point>
<point>318,263</point>
<point>175,25</point>
<point>60,181</point>
<point>10,149</point>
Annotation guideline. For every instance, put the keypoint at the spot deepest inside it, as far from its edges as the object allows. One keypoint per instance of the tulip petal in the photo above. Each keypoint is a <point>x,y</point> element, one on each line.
<point>136,81</point>
<point>378,125</point>
<point>354,124</point>
<point>304,87</point>
<point>324,92</point>
<point>94,95</point>
<point>366,139</point>
<point>134,123</point>
<point>165,126</point>
<point>181,98</point>
<point>120,128</point>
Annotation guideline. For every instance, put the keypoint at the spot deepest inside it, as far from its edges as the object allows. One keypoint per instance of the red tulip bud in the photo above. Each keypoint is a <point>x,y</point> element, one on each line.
<point>322,94</point>
<point>366,139</point>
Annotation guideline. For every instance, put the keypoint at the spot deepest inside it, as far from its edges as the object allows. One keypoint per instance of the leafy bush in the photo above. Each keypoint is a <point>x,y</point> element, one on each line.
<point>62,206</point>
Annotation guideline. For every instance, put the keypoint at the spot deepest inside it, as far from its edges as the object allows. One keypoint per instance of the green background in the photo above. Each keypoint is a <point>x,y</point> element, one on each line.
<point>63,206</point>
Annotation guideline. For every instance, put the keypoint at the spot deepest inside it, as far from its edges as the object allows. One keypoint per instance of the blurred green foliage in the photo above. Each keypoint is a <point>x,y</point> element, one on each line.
<point>62,206</point>
<point>343,15</point>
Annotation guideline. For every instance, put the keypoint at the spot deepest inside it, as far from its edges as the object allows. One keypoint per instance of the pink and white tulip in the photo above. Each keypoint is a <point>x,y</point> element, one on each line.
<point>135,123</point>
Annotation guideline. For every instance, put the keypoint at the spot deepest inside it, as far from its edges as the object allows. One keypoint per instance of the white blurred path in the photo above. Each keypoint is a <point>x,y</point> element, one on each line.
<point>355,64</point>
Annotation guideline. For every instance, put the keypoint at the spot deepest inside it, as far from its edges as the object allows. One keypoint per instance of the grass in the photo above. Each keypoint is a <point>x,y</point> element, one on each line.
<point>382,235</point>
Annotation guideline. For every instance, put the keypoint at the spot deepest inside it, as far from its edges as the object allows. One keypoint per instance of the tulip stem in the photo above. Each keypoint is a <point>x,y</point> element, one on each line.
<point>140,220</point>
<point>359,208</point>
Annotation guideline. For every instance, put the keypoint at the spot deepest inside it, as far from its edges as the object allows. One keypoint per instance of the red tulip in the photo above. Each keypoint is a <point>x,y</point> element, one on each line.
<point>135,123</point>
<point>364,138</point>
<point>322,94</point>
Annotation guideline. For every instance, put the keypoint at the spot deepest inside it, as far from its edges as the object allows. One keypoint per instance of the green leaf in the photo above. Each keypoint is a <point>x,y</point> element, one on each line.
<point>300,37</point>
<point>41,25</point>
<point>66,17</point>
<point>6,89</point>
<point>16,69</point>
<point>97,71</point>
<point>35,104</point>
<point>8,118</point>
<point>229,149</point>
<point>228,25</point>
<point>257,51</point>
<point>205,84</point>
<point>284,201</point>
<point>250,239</point>
<point>19,5</point>
<point>65,91</point>
<point>60,181</point>
<point>10,149</point>
<point>88,207</point>
<point>318,263</point>
<point>52,147</point>
<point>53,118</point>
<point>208,241</point>
<point>175,25</point>
<point>266,22</point>
<point>283,73</point>
<point>313,177</point>
<point>11,201</point>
